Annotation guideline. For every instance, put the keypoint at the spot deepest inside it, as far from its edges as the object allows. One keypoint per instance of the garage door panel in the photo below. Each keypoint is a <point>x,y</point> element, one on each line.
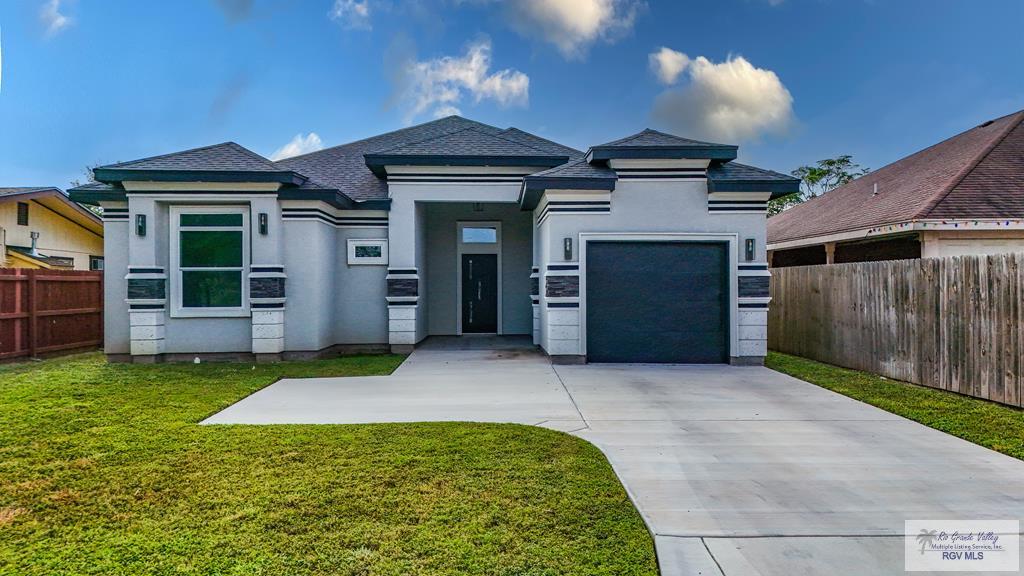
<point>657,302</point>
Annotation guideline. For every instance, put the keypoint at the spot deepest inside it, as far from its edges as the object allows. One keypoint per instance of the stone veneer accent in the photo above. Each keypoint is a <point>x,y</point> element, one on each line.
<point>562,286</point>
<point>264,287</point>
<point>753,286</point>
<point>147,288</point>
<point>403,287</point>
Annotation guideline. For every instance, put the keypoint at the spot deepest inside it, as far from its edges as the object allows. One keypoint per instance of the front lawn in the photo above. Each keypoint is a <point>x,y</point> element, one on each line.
<point>103,470</point>
<point>992,425</point>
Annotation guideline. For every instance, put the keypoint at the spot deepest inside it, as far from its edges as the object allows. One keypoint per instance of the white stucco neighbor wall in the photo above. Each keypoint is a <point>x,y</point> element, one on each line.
<point>651,207</point>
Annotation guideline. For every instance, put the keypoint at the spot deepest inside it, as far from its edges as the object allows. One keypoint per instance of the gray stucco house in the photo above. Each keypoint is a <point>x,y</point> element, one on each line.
<point>646,249</point>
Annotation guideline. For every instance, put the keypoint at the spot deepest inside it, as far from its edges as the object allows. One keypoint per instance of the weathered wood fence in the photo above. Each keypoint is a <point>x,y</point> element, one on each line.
<point>47,311</point>
<point>950,323</point>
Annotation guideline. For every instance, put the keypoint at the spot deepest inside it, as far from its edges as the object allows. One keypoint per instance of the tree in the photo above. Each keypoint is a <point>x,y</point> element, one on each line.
<point>816,180</point>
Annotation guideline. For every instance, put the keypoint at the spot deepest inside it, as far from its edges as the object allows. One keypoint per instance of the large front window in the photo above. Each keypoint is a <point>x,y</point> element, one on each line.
<point>209,253</point>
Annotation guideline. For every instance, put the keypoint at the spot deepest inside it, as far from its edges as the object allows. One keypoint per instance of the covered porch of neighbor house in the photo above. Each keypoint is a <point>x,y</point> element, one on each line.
<point>459,269</point>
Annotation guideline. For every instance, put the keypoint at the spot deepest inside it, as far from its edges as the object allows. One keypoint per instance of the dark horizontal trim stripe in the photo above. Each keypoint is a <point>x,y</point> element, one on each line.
<point>120,174</point>
<point>738,209</point>
<point>753,266</point>
<point>467,175</point>
<point>266,306</point>
<point>579,202</point>
<point>115,218</point>
<point>583,209</point>
<point>145,270</point>
<point>266,269</point>
<point>115,210</point>
<point>453,180</point>
<point>146,306</point>
<point>563,266</point>
<point>662,176</point>
<point>298,213</point>
<point>743,202</point>
<point>753,305</point>
<point>701,170</point>
<point>563,304</point>
<point>401,271</point>
<point>413,303</point>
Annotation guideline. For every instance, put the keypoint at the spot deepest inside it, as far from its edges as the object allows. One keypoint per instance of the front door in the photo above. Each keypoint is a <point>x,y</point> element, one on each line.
<point>479,293</point>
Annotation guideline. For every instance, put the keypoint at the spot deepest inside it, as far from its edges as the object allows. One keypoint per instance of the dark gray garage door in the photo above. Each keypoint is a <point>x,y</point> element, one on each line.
<point>657,302</point>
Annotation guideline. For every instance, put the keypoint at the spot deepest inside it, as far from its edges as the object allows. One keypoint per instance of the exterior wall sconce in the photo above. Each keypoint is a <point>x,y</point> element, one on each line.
<point>567,248</point>
<point>262,222</point>
<point>748,249</point>
<point>140,225</point>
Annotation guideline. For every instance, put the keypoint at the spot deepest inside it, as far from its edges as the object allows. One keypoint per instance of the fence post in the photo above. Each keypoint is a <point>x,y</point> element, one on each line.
<point>32,332</point>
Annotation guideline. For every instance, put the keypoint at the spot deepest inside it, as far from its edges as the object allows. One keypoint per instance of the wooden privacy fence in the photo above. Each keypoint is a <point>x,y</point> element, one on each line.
<point>950,323</point>
<point>46,311</point>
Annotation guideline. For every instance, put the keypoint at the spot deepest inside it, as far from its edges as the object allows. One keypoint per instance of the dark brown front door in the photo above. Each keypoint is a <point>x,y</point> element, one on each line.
<point>479,293</point>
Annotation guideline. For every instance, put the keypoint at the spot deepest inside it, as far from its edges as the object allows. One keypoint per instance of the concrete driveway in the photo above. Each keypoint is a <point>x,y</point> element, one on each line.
<point>736,470</point>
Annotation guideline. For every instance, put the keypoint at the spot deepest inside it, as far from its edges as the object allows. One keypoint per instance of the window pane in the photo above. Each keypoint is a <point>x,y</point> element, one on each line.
<point>220,249</point>
<point>209,289</point>
<point>479,235</point>
<point>368,251</point>
<point>211,219</point>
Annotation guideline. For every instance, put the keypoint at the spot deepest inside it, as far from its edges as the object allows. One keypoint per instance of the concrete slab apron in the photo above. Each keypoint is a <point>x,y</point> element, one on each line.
<point>736,470</point>
<point>742,470</point>
<point>431,385</point>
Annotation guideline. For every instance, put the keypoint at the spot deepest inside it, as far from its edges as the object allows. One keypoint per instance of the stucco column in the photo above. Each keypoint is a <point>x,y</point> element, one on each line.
<point>146,282</point>
<point>403,279</point>
<point>266,279</point>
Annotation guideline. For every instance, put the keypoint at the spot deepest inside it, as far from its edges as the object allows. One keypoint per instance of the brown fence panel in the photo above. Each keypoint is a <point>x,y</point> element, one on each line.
<point>950,323</point>
<point>46,311</point>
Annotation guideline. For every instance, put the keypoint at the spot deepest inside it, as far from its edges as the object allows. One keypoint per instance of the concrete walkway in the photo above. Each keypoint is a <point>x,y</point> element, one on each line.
<point>736,470</point>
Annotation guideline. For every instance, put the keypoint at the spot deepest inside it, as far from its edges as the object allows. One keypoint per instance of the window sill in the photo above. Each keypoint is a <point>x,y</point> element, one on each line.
<point>210,313</point>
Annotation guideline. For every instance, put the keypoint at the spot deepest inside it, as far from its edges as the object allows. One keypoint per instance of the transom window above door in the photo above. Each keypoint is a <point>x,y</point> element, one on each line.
<point>479,234</point>
<point>209,257</point>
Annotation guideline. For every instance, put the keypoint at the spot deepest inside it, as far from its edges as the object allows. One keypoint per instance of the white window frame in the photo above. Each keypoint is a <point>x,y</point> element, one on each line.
<point>354,260</point>
<point>177,309</point>
<point>476,248</point>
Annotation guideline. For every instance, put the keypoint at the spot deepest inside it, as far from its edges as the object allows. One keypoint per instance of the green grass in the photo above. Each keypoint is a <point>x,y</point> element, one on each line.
<point>103,470</point>
<point>994,426</point>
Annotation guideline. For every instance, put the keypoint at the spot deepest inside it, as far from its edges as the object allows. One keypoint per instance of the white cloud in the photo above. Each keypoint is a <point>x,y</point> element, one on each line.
<point>352,13</point>
<point>52,19</point>
<point>439,85</point>
<point>299,145</point>
<point>667,64</point>
<point>573,25</point>
<point>729,101</point>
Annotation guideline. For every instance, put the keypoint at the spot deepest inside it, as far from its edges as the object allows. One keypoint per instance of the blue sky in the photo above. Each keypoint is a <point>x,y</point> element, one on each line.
<point>791,81</point>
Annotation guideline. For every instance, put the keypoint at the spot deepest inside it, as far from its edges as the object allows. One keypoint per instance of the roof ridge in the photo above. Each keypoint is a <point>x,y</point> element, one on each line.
<point>390,133</point>
<point>186,151</point>
<point>520,143</point>
<point>941,195</point>
<point>548,140</point>
<point>426,139</point>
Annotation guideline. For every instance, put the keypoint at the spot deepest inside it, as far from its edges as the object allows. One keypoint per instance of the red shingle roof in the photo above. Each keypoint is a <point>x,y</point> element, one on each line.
<point>976,174</point>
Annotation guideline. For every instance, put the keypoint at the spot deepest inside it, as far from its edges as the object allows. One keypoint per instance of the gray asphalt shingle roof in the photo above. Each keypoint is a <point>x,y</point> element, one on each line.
<point>652,138</point>
<point>576,169</point>
<point>227,156</point>
<point>344,167</point>
<point>470,141</point>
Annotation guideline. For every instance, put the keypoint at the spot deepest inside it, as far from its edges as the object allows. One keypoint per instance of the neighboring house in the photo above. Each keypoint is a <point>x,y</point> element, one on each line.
<point>964,195</point>
<point>649,248</point>
<point>43,228</point>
